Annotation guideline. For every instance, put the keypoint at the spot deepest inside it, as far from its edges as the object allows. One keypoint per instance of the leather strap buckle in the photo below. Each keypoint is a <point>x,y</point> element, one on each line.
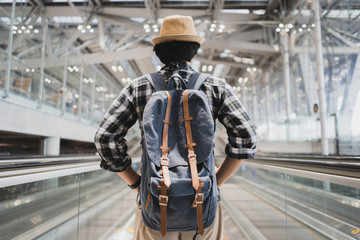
<point>164,161</point>
<point>199,198</point>
<point>163,197</point>
<point>192,155</point>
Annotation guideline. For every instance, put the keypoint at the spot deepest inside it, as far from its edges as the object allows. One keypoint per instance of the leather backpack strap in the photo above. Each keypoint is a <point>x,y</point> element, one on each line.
<point>165,182</point>
<point>164,147</point>
<point>196,182</point>
<point>163,201</point>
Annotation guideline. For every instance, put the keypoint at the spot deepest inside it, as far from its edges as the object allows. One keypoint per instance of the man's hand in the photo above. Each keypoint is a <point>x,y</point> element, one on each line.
<point>226,169</point>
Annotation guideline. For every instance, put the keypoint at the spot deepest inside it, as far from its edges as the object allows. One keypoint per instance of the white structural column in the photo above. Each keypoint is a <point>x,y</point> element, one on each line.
<point>42,69</point>
<point>286,68</point>
<point>52,146</point>
<point>64,80</point>
<point>267,111</point>
<point>320,77</point>
<point>80,105</point>
<point>9,54</point>
<point>254,100</point>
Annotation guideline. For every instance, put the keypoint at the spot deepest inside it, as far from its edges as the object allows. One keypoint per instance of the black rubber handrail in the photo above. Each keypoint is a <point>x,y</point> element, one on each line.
<point>16,163</point>
<point>348,167</point>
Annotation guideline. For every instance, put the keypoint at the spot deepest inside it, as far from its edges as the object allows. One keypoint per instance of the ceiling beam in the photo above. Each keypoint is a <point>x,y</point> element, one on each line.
<point>127,13</point>
<point>334,50</point>
<point>244,47</point>
<point>123,40</point>
<point>95,58</point>
<point>226,63</point>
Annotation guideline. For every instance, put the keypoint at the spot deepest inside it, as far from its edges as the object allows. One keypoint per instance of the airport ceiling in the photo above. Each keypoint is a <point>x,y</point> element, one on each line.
<point>116,34</point>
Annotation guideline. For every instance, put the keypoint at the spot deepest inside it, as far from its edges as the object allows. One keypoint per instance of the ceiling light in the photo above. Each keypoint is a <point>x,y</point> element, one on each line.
<point>281,25</point>
<point>278,29</point>
<point>79,27</point>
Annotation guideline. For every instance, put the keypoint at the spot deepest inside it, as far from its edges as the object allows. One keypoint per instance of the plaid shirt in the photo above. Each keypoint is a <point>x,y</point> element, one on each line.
<point>129,106</point>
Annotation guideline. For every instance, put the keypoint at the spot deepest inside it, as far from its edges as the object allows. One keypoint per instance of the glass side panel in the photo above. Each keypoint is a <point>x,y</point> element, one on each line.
<point>324,209</point>
<point>60,208</point>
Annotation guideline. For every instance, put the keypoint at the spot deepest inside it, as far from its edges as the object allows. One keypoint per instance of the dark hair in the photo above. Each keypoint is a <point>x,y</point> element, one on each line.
<point>175,51</point>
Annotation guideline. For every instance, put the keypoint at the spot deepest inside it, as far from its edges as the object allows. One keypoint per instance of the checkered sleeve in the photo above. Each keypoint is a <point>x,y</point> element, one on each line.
<point>110,137</point>
<point>241,134</point>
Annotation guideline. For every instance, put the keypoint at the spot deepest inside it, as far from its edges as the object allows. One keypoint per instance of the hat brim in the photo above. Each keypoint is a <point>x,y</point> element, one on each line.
<point>177,37</point>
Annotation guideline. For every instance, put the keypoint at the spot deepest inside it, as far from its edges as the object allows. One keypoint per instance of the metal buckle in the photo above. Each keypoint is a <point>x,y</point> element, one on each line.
<point>165,197</point>
<point>164,161</point>
<point>196,202</point>
<point>191,155</point>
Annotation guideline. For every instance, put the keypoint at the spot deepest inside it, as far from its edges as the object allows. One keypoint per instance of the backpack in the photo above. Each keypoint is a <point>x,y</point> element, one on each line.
<point>178,190</point>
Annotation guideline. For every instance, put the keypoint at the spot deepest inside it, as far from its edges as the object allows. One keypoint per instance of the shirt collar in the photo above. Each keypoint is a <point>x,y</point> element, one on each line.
<point>182,68</point>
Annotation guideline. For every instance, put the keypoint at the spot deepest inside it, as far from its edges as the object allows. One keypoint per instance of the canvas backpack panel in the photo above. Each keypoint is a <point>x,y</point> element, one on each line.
<point>181,215</point>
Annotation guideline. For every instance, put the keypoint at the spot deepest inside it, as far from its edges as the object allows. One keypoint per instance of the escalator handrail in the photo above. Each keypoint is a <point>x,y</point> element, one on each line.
<point>17,163</point>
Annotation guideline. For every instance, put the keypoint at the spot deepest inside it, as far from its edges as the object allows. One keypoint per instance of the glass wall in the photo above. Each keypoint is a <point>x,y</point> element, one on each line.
<point>45,66</point>
<point>341,47</point>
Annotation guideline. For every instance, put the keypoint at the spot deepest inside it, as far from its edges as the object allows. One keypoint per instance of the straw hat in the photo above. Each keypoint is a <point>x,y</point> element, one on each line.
<point>178,28</point>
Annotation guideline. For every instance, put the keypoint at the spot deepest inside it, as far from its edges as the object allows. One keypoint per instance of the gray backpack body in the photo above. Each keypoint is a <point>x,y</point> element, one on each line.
<point>178,190</point>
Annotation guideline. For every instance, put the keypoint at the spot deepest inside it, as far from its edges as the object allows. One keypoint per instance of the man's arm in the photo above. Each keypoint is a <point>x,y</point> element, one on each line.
<point>110,137</point>
<point>130,176</point>
<point>226,169</point>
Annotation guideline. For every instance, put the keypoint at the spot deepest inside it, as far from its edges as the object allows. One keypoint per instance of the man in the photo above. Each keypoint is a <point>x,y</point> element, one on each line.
<point>176,46</point>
